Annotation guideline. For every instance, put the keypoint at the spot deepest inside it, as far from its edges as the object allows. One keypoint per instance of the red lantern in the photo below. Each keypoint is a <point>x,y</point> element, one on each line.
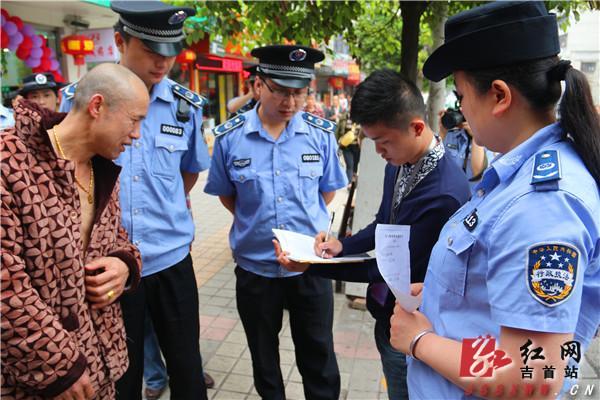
<point>78,46</point>
<point>186,58</point>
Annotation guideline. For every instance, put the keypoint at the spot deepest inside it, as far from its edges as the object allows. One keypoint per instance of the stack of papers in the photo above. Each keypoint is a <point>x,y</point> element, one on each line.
<point>301,249</point>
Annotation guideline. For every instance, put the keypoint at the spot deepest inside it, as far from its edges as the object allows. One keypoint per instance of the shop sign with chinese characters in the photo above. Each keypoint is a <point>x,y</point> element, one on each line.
<point>105,49</point>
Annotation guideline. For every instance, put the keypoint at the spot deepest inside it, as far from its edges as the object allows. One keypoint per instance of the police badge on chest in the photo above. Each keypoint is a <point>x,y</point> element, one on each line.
<point>242,162</point>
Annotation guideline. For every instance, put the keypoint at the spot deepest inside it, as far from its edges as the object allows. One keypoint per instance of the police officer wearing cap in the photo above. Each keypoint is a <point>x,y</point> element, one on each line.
<point>277,167</point>
<point>158,170</point>
<point>41,89</point>
<point>520,261</point>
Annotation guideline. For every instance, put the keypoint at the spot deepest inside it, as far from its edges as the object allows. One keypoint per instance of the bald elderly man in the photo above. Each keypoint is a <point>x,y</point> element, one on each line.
<point>66,259</point>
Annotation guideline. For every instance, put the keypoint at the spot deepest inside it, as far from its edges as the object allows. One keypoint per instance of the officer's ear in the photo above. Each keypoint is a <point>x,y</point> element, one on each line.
<point>502,97</point>
<point>120,42</point>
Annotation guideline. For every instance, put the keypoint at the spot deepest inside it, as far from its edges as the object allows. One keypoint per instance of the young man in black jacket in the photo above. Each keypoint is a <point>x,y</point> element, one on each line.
<point>422,188</point>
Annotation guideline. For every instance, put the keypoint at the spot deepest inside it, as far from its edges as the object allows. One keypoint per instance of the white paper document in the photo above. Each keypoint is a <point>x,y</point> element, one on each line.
<point>301,249</point>
<point>393,260</point>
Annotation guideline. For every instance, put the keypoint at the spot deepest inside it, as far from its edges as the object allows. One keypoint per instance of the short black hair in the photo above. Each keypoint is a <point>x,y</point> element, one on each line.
<point>387,97</point>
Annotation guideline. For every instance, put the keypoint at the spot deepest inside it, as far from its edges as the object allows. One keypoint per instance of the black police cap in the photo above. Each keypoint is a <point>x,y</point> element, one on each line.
<point>38,82</point>
<point>287,65</point>
<point>252,71</point>
<point>492,35</point>
<point>158,25</point>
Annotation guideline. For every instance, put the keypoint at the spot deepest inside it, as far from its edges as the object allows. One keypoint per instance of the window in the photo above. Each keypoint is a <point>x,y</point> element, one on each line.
<point>588,67</point>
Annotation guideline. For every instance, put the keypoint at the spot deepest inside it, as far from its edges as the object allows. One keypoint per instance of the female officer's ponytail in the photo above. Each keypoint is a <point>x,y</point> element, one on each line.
<point>578,116</point>
<point>539,82</point>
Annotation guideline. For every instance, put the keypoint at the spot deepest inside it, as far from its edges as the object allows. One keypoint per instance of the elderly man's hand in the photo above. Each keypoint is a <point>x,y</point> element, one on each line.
<point>285,262</point>
<point>105,280</point>
<point>81,390</point>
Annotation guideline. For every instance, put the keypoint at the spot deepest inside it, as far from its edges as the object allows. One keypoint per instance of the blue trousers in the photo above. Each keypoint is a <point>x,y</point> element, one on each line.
<point>393,362</point>
<point>155,372</point>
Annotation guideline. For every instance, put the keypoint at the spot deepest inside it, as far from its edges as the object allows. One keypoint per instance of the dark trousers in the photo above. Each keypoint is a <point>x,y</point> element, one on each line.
<point>351,155</point>
<point>171,298</point>
<point>309,299</point>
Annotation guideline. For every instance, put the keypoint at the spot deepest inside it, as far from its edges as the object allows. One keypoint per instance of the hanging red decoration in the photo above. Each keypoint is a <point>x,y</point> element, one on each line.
<point>78,46</point>
<point>186,58</point>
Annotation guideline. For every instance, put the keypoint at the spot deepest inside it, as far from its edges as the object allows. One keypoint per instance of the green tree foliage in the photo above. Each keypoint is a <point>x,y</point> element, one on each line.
<point>252,23</point>
<point>374,39</point>
<point>372,28</point>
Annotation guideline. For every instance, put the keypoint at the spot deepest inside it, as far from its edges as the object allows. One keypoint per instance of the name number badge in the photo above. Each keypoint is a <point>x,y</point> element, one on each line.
<point>171,130</point>
<point>311,158</point>
<point>470,222</point>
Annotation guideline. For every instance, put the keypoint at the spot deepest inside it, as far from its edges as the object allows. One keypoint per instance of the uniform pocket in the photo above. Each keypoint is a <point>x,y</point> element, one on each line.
<point>166,158</point>
<point>242,176</point>
<point>311,171</point>
<point>309,176</point>
<point>246,184</point>
<point>456,262</point>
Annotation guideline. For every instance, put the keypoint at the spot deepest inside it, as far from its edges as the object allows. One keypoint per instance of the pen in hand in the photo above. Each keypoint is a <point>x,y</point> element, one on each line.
<point>328,232</point>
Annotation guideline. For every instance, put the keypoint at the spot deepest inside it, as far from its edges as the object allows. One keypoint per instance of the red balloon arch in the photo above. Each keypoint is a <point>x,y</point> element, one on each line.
<point>21,38</point>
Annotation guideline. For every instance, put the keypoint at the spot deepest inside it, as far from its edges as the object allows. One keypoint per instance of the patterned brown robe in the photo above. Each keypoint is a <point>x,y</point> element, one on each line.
<point>50,334</point>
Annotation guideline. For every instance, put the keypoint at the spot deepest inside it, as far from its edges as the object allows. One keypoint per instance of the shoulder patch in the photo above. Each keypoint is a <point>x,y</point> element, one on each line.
<point>552,272</point>
<point>229,125</point>
<point>69,90</point>
<point>546,170</point>
<point>191,97</point>
<point>318,122</point>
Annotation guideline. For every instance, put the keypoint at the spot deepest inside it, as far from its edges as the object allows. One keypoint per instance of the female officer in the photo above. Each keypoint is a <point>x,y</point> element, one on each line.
<point>520,261</point>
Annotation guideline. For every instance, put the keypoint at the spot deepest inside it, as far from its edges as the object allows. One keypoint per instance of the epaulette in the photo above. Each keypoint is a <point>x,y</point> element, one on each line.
<point>246,107</point>
<point>318,122</point>
<point>229,125</point>
<point>191,97</point>
<point>69,90</point>
<point>546,171</point>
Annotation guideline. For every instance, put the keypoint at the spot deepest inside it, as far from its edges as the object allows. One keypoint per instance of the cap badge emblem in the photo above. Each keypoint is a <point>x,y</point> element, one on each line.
<point>298,55</point>
<point>41,79</point>
<point>177,18</point>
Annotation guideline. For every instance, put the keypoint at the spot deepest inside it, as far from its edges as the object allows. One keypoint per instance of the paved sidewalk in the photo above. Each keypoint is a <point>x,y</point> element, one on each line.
<point>223,342</point>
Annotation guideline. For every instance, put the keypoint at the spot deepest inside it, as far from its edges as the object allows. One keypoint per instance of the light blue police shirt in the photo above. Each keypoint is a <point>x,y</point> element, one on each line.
<point>276,184</point>
<point>7,118</point>
<point>456,142</point>
<point>152,197</point>
<point>480,280</point>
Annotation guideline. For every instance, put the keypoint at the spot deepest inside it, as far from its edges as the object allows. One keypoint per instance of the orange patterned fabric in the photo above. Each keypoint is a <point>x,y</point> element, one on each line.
<point>50,334</point>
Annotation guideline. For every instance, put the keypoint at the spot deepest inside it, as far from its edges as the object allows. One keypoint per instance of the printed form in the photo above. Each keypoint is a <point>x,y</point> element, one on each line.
<point>393,260</point>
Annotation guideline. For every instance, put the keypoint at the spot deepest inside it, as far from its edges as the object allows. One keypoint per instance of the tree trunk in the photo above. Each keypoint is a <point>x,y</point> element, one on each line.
<point>437,90</point>
<point>411,12</point>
